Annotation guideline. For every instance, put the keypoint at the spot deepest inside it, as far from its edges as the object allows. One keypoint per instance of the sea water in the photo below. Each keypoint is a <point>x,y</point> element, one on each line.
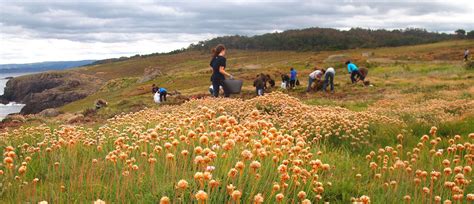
<point>11,107</point>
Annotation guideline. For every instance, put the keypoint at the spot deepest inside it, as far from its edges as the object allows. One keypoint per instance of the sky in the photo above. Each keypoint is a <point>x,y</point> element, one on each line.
<point>38,30</point>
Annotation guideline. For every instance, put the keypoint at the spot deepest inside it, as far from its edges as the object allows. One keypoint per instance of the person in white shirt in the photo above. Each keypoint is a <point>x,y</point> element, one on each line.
<point>329,78</point>
<point>315,75</point>
<point>466,54</point>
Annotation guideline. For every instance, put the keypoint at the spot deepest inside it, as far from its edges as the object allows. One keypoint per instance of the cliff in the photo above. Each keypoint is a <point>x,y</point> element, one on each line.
<point>49,90</point>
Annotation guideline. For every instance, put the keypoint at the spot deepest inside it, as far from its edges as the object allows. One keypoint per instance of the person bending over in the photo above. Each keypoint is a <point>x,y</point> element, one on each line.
<point>312,77</point>
<point>329,79</point>
<point>163,92</point>
<point>354,72</point>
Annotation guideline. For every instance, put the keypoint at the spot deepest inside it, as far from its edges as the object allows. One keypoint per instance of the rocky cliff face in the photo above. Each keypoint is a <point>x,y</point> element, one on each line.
<point>49,90</point>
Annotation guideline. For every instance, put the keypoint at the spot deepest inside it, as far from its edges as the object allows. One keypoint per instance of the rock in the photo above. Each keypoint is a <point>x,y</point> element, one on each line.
<point>149,74</point>
<point>50,112</point>
<point>367,54</point>
<point>75,119</point>
<point>336,58</point>
<point>49,89</point>
<point>3,100</point>
<point>15,117</point>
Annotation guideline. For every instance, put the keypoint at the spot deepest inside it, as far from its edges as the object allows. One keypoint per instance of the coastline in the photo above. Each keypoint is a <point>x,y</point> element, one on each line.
<point>11,107</point>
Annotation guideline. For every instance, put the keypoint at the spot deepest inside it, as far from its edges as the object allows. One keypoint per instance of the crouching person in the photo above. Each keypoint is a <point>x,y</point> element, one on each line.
<point>259,84</point>
<point>101,103</point>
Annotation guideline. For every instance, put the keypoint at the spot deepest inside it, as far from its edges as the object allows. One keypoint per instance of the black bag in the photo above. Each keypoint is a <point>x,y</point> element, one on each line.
<point>297,82</point>
<point>232,86</point>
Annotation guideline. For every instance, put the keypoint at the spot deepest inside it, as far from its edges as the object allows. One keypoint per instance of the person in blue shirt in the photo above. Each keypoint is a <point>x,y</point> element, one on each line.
<point>163,94</point>
<point>354,71</point>
<point>293,76</point>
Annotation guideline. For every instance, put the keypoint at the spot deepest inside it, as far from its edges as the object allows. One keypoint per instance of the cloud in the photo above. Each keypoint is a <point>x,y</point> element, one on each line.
<point>119,27</point>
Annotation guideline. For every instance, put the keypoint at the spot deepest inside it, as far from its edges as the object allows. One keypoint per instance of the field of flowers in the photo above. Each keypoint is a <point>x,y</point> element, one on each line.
<point>271,149</point>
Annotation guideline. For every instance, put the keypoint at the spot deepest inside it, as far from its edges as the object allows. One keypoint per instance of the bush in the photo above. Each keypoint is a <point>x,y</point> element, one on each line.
<point>469,65</point>
<point>89,112</point>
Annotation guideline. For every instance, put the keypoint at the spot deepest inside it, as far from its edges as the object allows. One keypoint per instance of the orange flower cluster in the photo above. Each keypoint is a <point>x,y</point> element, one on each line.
<point>267,149</point>
<point>433,169</point>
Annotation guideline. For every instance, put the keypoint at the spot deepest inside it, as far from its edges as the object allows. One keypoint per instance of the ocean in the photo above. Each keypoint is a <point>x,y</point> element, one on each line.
<point>11,107</point>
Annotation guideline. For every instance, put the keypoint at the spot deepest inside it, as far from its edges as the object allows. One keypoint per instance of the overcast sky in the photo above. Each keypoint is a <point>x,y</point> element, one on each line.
<point>32,31</point>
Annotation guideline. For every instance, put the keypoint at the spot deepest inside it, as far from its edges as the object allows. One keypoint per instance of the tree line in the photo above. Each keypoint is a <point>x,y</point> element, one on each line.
<point>318,39</point>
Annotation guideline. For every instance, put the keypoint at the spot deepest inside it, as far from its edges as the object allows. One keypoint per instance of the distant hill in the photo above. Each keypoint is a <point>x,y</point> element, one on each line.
<point>325,39</point>
<point>310,39</point>
<point>42,66</point>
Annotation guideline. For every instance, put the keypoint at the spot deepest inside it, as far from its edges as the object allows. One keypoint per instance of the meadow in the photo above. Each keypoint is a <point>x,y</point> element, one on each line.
<point>407,139</point>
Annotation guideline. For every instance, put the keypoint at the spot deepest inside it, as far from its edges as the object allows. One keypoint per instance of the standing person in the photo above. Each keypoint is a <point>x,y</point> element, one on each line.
<point>313,76</point>
<point>466,54</point>
<point>354,71</point>
<point>218,64</point>
<point>163,92</point>
<point>154,89</point>
<point>329,78</point>
<point>293,76</point>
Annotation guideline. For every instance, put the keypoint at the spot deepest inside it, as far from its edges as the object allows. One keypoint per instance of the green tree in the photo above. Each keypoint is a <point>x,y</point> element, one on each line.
<point>460,33</point>
<point>470,34</point>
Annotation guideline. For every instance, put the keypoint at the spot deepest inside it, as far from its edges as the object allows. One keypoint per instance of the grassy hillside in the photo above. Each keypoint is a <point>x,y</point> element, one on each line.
<point>406,139</point>
<point>392,71</point>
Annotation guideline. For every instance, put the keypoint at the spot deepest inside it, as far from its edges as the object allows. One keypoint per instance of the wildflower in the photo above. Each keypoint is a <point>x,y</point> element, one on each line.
<point>210,168</point>
<point>301,195</point>
<point>470,197</point>
<point>240,165</point>
<point>182,184</point>
<point>426,190</point>
<point>236,194</point>
<point>170,156</point>
<point>255,165</point>
<point>201,195</point>
<point>306,201</point>
<point>213,183</point>
<point>257,199</point>
<point>279,197</point>
<point>8,160</point>
<point>230,188</point>
<point>165,200</point>
<point>365,199</point>
<point>22,170</point>
<point>407,198</point>
<point>99,201</point>
<point>276,187</point>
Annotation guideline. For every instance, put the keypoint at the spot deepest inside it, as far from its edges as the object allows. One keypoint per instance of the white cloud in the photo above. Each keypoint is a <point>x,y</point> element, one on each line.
<point>96,29</point>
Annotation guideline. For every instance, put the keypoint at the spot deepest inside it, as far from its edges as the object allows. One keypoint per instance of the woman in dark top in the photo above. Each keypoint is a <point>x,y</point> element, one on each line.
<point>218,63</point>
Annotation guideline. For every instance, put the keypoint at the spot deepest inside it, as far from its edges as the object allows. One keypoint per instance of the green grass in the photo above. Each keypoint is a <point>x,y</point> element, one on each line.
<point>408,75</point>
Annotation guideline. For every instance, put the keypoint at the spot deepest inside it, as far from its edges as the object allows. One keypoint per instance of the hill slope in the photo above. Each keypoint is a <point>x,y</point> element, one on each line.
<point>188,72</point>
<point>124,83</point>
